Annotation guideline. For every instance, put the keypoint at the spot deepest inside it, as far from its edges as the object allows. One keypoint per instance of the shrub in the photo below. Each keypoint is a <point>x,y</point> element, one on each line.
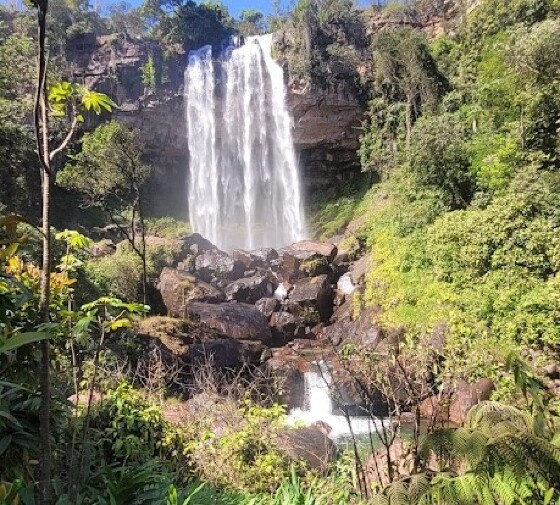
<point>118,275</point>
<point>126,427</point>
<point>244,455</point>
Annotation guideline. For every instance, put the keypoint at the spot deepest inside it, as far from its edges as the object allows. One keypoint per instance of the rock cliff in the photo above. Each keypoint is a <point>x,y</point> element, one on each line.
<point>326,121</point>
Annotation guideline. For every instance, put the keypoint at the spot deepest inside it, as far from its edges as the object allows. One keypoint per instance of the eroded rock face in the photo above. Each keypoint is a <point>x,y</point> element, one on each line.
<point>238,321</point>
<point>179,289</point>
<point>326,134</point>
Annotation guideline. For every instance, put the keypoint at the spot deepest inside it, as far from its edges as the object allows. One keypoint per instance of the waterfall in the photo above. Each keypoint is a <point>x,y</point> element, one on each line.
<point>244,189</point>
<point>319,406</point>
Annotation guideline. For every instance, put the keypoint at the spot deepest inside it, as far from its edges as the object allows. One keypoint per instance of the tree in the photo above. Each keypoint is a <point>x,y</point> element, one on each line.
<point>406,72</point>
<point>67,100</point>
<point>439,158</point>
<point>110,174</point>
<point>251,16</point>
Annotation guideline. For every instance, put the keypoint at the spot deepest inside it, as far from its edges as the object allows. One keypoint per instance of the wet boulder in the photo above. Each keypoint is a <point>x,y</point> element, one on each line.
<point>314,293</point>
<point>251,289</point>
<point>214,265</point>
<point>239,321</point>
<point>179,289</point>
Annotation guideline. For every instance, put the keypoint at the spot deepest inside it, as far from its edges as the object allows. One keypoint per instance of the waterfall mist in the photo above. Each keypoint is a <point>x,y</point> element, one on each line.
<point>244,189</point>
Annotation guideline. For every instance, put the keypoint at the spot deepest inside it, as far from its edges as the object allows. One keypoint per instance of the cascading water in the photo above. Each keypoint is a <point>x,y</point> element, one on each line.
<point>244,189</point>
<point>319,406</point>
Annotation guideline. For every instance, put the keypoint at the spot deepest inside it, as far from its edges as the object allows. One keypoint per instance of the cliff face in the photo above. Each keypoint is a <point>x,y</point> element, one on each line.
<point>326,121</point>
<point>115,65</point>
<point>326,134</point>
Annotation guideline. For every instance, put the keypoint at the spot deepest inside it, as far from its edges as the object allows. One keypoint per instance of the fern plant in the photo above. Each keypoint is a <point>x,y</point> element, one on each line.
<point>500,457</point>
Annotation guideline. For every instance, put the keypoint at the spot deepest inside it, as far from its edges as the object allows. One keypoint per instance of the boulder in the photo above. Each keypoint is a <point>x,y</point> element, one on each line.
<point>284,369</point>
<point>251,289</point>
<point>215,265</point>
<point>307,249</point>
<point>454,406</point>
<point>251,261</point>
<point>316,293</point>
<point>305,258</point>
<point>268,306</point>
<point>195,244</point>
<point>178,289</point>
<point>359,269</point>
<point>239,321</point>
<point>286,327</point>
<point>266,255</point>
<point>361,331</point>
<point>310,444</point>
<point>225,353</point>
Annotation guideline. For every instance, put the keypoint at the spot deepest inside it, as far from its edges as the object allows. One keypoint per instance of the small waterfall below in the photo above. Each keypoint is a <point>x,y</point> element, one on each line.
<point>319,406</point>
<point>244,189</point>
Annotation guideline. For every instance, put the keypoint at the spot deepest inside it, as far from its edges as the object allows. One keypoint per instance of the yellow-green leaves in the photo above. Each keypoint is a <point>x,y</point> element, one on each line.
<point>96,101</point>
<point>64,93</point>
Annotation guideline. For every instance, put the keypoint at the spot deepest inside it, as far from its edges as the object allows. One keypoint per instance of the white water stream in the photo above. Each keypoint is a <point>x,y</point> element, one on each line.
<point>244,189</point>
<point>319,406</point>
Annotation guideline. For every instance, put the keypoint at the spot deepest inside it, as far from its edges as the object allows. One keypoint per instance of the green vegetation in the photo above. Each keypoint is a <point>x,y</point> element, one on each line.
<point>462,226</point>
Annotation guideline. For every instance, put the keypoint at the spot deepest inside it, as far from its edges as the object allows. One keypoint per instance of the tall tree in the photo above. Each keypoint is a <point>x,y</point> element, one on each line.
<point>65,100</point>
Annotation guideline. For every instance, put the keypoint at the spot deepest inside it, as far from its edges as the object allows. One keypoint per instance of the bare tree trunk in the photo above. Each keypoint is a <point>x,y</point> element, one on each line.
<point>42,137</point>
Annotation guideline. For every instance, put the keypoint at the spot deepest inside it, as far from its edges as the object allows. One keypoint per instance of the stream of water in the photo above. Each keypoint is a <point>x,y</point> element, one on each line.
<point>319,406</point>
<point>244,188</point>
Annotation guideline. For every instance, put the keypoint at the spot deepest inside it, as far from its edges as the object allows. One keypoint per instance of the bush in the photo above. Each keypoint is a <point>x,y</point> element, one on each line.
<point>439,158</point>
<point>167,227</point>
<point>244,455</point>
<point>126,427</point>
<point>119,275</point>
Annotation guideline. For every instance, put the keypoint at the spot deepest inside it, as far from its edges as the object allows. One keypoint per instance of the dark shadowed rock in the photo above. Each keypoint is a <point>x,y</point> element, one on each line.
<point>310,444</point>
<point>226,353</point>
<point>195,244</point>
<point>214,265</point>
<point>268,306</point>
<point>178,289</point>
<point>251,289</point>
<point>235,320</point>
<point>285,327</point>
<point>314,292</point>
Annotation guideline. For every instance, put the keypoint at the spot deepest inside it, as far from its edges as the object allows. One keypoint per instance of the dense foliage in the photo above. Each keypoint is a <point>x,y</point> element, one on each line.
<point>460,216</point>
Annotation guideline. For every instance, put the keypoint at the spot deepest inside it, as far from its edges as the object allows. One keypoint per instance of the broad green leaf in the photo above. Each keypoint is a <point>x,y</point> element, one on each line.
<point>22,339</point>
